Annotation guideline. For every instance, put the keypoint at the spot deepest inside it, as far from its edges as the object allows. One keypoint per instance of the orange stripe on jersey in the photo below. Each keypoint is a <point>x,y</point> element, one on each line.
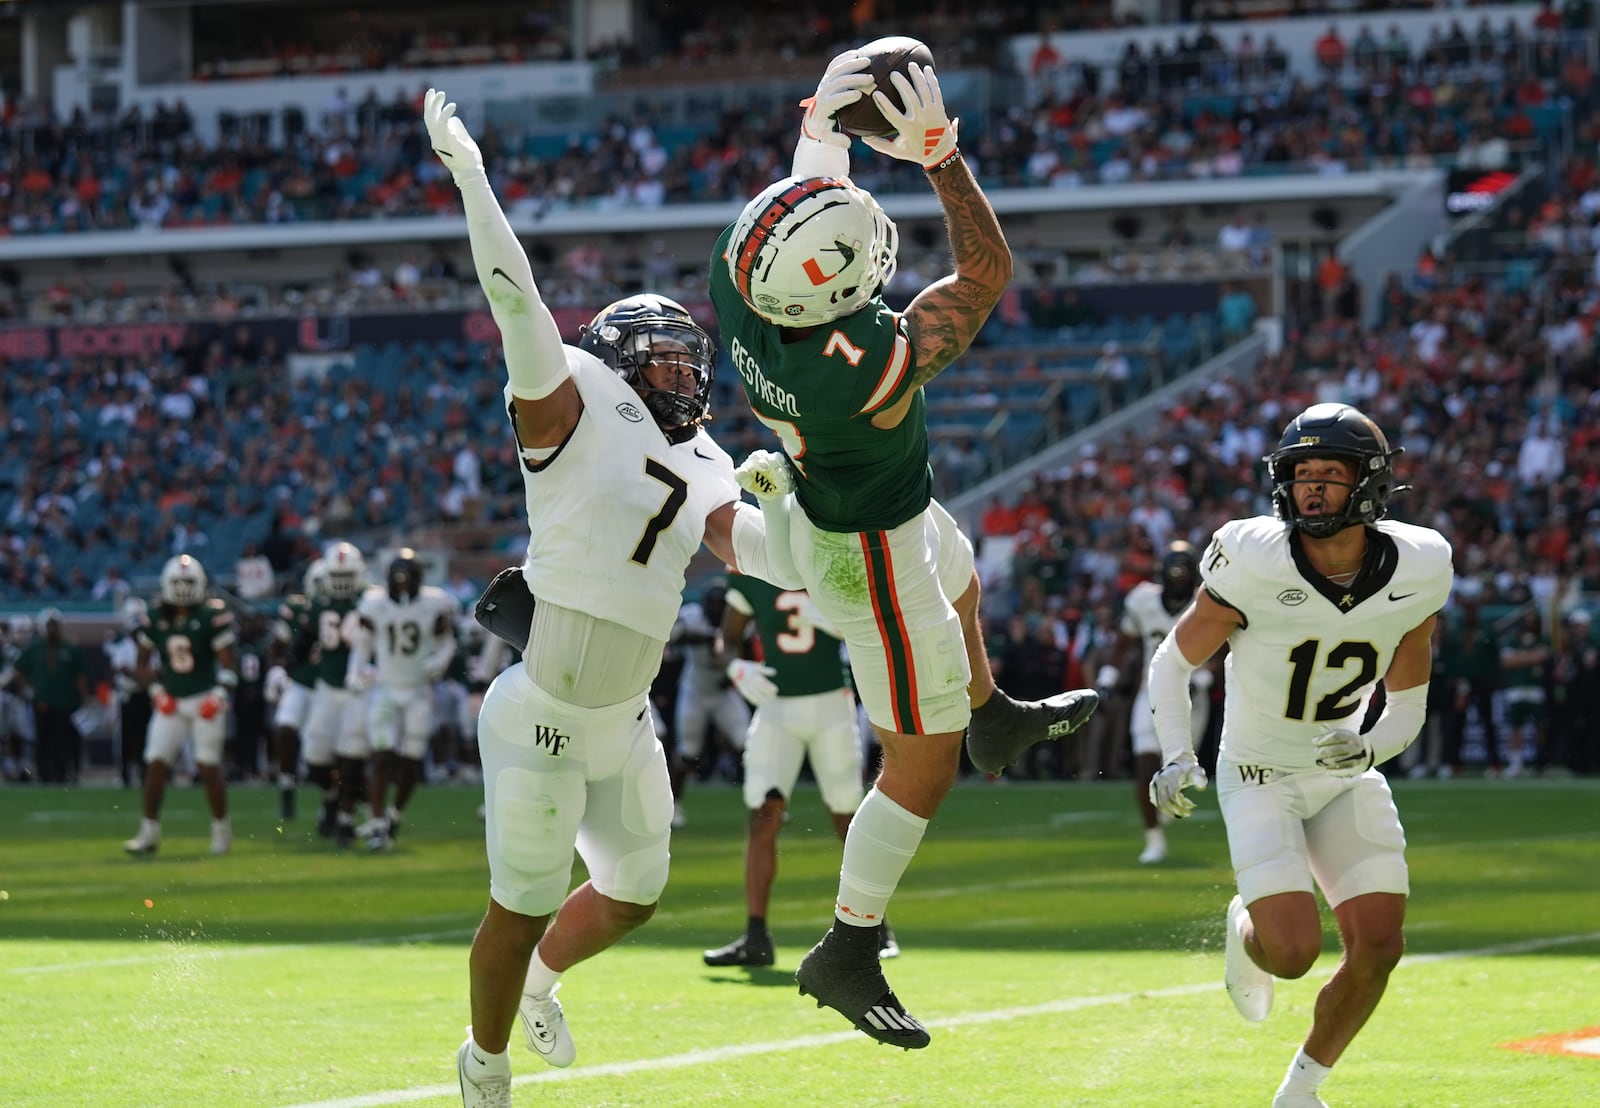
<point>778,207</point>
<point>893,374</point>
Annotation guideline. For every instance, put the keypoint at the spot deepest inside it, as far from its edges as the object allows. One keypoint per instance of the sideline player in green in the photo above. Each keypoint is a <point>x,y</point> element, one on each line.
<point>837,375</point>
<point>803,709</point>
<point>297,631</point>
<point>192,639</point>
<point>335,728</point>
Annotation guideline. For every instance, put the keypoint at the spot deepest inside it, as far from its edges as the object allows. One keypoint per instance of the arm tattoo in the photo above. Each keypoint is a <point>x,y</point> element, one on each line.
<point>945,317</point>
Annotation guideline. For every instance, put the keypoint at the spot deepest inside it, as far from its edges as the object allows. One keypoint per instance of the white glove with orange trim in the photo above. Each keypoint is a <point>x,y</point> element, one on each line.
<point>843,83</point>
<point>924,133</point>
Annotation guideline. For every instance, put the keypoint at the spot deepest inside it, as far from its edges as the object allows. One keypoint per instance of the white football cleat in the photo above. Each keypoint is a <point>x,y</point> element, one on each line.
<point>491,1092</point>
<point>1298,1100</point>
<point>680,818</point>
<point>147,841</point>
<point>1154,851</point>
<point>1249,986</point>
<point>765,474</point>
<point>221,836</point>
<point>546,1028</point>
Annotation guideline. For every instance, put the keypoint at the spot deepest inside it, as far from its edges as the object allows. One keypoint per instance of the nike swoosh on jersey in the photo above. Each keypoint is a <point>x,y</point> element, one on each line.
<point>1402,596</point>
<point>497,271</point>
<point>707,457</point>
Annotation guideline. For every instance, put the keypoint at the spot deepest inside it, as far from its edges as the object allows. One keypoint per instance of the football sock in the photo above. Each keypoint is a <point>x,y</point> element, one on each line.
<point>482,1063</point>
<point>541,978</point>
<point>756,927</point>
<point>1305,1074</point>
<point>1154,836</point>
<point>882,840</point>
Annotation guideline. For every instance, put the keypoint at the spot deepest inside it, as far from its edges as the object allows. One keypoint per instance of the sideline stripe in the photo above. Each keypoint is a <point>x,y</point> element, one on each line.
<point>968,1019</point>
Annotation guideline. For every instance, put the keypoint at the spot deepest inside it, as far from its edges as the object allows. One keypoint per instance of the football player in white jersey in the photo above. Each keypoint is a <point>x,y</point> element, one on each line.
<point>1148,613</point>
<point>622,486</point>
<point>704,695</point>
<point>1316,606</point>
<point>410,629</point>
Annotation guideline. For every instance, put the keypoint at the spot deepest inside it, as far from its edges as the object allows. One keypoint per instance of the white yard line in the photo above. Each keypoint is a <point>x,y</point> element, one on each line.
<point>966,1019</point>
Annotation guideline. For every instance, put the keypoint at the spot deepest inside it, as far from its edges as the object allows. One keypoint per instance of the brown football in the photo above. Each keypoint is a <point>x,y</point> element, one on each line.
<point>889,55</point>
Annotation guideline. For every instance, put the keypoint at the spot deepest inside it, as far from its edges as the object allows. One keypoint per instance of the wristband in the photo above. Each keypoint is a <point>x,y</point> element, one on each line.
<point>955,156</point>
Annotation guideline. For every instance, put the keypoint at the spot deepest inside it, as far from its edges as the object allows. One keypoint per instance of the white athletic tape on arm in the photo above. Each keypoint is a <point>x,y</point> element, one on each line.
<point>1169,699</point>
<point>535,360</point>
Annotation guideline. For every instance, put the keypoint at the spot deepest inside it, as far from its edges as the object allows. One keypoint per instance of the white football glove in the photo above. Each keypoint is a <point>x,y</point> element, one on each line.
<point>1166,787</point>
<point>753,680</point>
<point>1343,753</point>
<point>1202,678</point>
<point>1108,678</point>
<point>449,137</point>
<point>925,134</point>
<point>843,83</point>
<point>765,474</point>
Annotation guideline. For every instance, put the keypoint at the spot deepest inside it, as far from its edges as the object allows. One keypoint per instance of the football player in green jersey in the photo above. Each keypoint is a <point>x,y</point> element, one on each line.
<point>837,375</point>
<point>804,709</point>
<point>186,653</point>
<point>335,727</point>
<point>297,632</point>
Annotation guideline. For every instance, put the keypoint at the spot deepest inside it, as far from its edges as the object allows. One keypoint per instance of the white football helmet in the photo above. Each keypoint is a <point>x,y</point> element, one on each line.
<point>345,570</point>
<point>808,250</point>
<point>316,579</point>
<point>183,581</point>
<point>134,612</point>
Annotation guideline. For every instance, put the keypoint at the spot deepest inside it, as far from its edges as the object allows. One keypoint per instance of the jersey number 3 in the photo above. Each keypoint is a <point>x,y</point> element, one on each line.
<point>1341,702</point>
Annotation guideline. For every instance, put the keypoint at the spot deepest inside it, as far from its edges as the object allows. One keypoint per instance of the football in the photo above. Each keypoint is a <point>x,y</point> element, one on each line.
<point>889,55</point>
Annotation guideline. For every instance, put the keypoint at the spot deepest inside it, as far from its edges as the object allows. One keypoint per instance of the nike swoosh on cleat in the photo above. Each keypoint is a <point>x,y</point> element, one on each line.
<point>480,1061</point>
<point>1402,596</point>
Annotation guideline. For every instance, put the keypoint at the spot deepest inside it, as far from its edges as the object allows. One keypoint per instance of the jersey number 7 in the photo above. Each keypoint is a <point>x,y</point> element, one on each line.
<point>677,496</point>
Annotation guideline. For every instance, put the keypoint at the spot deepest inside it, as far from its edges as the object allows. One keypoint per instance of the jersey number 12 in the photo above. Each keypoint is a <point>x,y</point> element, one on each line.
<point>1335,705</point>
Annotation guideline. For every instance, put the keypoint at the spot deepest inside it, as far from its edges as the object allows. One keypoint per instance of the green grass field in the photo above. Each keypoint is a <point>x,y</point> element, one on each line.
<point>1050,968</point>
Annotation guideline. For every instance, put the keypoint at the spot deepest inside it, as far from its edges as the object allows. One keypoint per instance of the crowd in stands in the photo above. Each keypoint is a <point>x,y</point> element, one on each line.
<point>364,157</point>
<point>357,37</point>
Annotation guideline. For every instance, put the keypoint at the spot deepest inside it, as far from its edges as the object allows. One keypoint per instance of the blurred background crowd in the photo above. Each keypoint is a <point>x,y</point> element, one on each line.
<point>1182,184</point>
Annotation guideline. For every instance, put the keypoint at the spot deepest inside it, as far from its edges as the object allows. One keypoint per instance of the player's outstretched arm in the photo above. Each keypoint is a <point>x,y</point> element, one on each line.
<point>945,317</point>
<point>542,390</point>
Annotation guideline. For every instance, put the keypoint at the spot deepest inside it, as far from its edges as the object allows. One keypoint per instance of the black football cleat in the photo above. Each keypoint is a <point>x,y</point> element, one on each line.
<point>1003,728</point>
<point>743,951</point>
<point>861,995</point>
